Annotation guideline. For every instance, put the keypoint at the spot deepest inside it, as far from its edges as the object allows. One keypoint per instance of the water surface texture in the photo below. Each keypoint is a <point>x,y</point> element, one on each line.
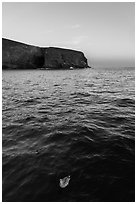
<point>68,122</point>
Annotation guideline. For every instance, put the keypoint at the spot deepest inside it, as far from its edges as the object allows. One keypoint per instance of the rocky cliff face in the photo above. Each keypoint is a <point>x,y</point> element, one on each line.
<point>64,58</point>
<point>17,55</point>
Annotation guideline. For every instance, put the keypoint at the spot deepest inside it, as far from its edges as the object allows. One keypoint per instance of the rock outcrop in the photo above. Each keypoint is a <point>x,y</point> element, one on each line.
<point>16,55</point>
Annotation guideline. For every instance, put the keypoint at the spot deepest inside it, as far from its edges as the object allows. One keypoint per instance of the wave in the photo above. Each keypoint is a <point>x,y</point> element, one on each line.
<point>125,102</point>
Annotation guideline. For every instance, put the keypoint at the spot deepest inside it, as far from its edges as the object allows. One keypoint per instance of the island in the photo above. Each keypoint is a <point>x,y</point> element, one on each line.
<point>17,55</point>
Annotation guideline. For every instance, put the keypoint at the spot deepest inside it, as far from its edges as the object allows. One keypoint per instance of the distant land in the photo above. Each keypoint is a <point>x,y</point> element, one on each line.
<point>17,55</point>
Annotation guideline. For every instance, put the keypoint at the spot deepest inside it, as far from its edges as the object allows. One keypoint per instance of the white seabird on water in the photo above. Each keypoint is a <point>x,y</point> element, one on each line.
<point>64,182</point>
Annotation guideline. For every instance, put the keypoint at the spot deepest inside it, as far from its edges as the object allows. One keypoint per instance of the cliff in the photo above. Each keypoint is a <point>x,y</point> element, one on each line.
<point>16,55</point>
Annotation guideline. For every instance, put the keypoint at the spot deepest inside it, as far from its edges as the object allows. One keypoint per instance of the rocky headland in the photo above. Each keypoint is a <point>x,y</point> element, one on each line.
<point>16,55</point>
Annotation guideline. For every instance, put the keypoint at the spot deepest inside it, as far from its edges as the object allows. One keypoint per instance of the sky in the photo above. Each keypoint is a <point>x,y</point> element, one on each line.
<point>105,32</point>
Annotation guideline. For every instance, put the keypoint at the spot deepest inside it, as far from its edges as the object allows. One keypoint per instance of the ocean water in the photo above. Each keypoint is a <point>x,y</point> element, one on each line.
<point>77,123</point>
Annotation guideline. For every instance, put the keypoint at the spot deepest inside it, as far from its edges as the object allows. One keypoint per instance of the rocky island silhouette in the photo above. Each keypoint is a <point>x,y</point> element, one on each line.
<point>17,55</point>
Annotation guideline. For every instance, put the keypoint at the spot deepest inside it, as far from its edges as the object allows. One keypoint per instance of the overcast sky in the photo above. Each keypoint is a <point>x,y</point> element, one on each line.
<point>105,32</point>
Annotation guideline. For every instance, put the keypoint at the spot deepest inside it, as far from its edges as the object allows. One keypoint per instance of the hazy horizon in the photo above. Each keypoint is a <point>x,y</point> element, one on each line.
<point>105,32</point>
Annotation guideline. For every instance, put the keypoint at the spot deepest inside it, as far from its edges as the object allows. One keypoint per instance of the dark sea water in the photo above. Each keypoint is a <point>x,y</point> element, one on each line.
<point>68,122</point>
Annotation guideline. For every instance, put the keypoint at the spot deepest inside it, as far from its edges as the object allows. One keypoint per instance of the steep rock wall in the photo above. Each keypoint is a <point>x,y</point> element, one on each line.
<point>16,55</point>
